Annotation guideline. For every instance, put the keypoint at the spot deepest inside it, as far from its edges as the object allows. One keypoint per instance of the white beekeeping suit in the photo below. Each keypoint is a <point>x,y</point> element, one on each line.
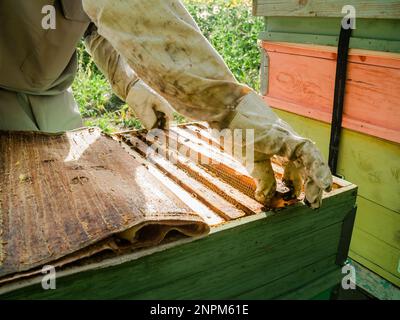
<point>160,41</point>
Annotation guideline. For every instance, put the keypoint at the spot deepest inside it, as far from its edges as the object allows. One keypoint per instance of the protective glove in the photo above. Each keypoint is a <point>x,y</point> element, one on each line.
<point>273,136</point>
<point>151,109</point>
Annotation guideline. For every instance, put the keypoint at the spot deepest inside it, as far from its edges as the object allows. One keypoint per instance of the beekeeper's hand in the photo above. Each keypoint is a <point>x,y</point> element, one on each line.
<point>272,136</point>
<point>171,55</point>
<point>152,109</point>
<point>149,107</point>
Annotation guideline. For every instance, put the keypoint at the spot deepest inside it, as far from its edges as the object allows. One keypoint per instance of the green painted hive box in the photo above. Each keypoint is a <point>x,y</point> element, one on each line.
<point>290,251</point>
<point>296,253</point>
<point>299,52</point>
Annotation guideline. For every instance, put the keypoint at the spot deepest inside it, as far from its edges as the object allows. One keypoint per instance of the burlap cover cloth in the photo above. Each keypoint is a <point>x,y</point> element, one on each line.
<point>62,193</point>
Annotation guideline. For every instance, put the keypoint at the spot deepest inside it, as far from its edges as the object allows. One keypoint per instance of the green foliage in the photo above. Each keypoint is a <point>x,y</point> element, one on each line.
<point>98,105</point>
<point>233,31</point>
<point>227,24</point>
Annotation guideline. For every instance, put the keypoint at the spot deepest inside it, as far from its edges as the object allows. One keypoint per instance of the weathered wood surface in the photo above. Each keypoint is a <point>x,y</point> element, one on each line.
<point>61,193</point>
<point>373,165</point>
<point>301,80</point>
<point>379,9</point>
<point>370,34</point>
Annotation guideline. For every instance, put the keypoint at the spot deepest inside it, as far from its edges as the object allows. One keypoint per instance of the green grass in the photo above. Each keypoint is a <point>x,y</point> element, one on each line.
<point>228,25</point>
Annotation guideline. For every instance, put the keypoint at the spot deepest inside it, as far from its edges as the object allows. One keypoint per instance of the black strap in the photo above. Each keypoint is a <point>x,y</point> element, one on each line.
<point>338,99</point>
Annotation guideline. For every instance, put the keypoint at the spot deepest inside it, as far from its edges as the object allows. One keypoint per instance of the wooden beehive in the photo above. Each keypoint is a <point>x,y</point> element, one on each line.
<point>286,251</point>
<point>298,74</point>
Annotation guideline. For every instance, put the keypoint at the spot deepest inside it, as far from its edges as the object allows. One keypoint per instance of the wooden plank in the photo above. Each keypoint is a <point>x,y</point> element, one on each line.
<point>371,29</point>
<point>384,9</point>
<point>204,138</point>
<point>370,34</point>
<point>188,166</point>
<point>211,199</point>
<point>224,166</point>
<point>319,39</point>
<point>294,220</point>
<point>225,190</point>
<point>312,289</point>
<point>209,216</point>
<point>378,221</point>
<point>244,274</point>
<point>296,72</point>
<point>376,251</point>
<point>367,57</point>
<point>303,276</point>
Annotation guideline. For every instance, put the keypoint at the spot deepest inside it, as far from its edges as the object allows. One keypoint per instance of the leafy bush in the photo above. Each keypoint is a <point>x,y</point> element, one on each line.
<point>98,105</point>
<point>233,31</point>
<point>227,24</point>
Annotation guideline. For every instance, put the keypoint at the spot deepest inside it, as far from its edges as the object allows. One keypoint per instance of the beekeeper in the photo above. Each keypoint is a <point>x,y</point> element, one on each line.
<point>155,57</point>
